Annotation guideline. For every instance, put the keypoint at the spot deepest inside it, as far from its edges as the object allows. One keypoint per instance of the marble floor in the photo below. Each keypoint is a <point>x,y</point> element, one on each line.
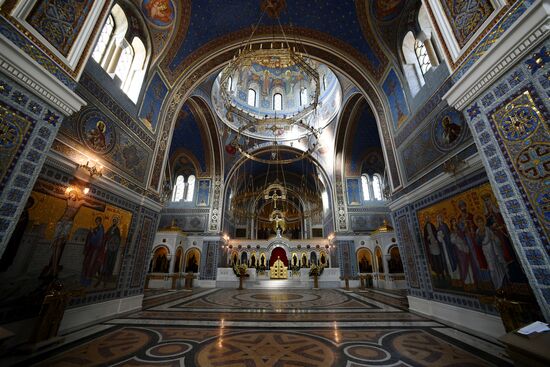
<point>272,327</point>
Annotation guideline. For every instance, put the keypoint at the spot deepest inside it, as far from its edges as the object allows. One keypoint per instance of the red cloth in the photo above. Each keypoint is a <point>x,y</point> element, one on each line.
<point>278,252</point>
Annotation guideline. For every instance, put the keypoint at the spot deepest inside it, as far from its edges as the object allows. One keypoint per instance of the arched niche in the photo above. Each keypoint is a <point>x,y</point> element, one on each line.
<point>160,262</point>
<point>192,261</point>
<point>364,260</point>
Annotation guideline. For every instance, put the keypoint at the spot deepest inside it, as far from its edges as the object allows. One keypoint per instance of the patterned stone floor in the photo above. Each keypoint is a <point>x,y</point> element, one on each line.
<point>275,327</point>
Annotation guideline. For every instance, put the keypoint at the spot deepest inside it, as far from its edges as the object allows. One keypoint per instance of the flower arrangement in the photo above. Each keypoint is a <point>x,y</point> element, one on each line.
<point>316,270</point>
<point>295,269</point>
<point>260,269</point>
<point>240,270</point>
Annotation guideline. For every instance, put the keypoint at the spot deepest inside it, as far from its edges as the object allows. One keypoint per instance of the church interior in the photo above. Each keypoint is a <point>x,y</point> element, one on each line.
<point>274,183</point>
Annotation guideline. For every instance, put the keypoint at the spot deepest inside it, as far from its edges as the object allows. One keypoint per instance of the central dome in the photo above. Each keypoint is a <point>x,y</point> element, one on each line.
<point>273,98</point>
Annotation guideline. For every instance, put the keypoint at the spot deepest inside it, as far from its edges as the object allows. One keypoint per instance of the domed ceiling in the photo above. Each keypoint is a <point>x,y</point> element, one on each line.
<point>270,78</point>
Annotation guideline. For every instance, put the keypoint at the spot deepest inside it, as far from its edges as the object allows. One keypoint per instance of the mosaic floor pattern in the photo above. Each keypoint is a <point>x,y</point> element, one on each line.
<point>272,328</point>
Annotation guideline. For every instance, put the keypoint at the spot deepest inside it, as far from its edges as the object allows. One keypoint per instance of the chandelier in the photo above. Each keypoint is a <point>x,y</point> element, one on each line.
<point>273,68</point>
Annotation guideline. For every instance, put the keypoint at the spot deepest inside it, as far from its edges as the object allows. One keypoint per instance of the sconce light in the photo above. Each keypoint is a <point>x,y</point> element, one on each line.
<point>93,170</point>
<point>86,190</point>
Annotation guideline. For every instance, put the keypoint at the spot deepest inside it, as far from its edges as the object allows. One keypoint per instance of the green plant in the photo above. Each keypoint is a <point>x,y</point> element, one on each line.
<point>240,270</point>
<point>316,270</point>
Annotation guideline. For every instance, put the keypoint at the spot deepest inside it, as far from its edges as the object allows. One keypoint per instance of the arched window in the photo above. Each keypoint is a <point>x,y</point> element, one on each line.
<point>365,187</point>
<point>104,39</point>
<point>124,62</point>
<point>324,199</point>
<point>411,69</point>
<point>229,83</point>
<point>190,188</point>
<point>277,101</point>
<point>127,61</point>
<point>303,97</point>
<point>422,56</point>
<point>252,97</point>
<point>179,189</point>
<point>132,85</point>
<point>377,187</point>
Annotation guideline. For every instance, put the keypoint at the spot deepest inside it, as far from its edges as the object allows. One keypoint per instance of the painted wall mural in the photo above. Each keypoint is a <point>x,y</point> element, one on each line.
<point>448,129</point>
<point>468,246</point>
<point>353,187</point>
<point>68,235</point>
<point>366,222</point>
<point>466,17</point>
<point>100,134</point>
<point>97,133</point>
<point>60,22</point>
<point>203,195</point>
<point>396,97</point>
<point>152,102</point>
<point>160,13</point>
<point>386,10</point>
<point>441,135</point>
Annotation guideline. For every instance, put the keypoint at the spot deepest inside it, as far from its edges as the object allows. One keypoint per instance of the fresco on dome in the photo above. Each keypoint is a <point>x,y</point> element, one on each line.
<point>60,22</point>
<point>64,233</point>
<point>396,98</point>
<point>159,12</point>
<point>152,102</point>
<point>467,244</point>
<point>466,17</point>
<point>387,10</point>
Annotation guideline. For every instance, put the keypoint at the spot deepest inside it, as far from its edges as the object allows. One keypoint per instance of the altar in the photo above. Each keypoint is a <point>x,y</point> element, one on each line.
<point>279,262</point>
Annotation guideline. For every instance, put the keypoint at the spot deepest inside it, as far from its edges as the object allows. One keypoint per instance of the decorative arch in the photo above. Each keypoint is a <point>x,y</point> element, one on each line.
<point>334,53</point>
<point>191,165</point>
<point>192,260</point>
<point>160,262</point>
<point>364,260</point>
<point>278,253</point>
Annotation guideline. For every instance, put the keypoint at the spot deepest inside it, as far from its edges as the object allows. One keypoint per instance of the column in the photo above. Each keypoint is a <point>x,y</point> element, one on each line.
<point>33,103</point>
<point>505,98</point>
